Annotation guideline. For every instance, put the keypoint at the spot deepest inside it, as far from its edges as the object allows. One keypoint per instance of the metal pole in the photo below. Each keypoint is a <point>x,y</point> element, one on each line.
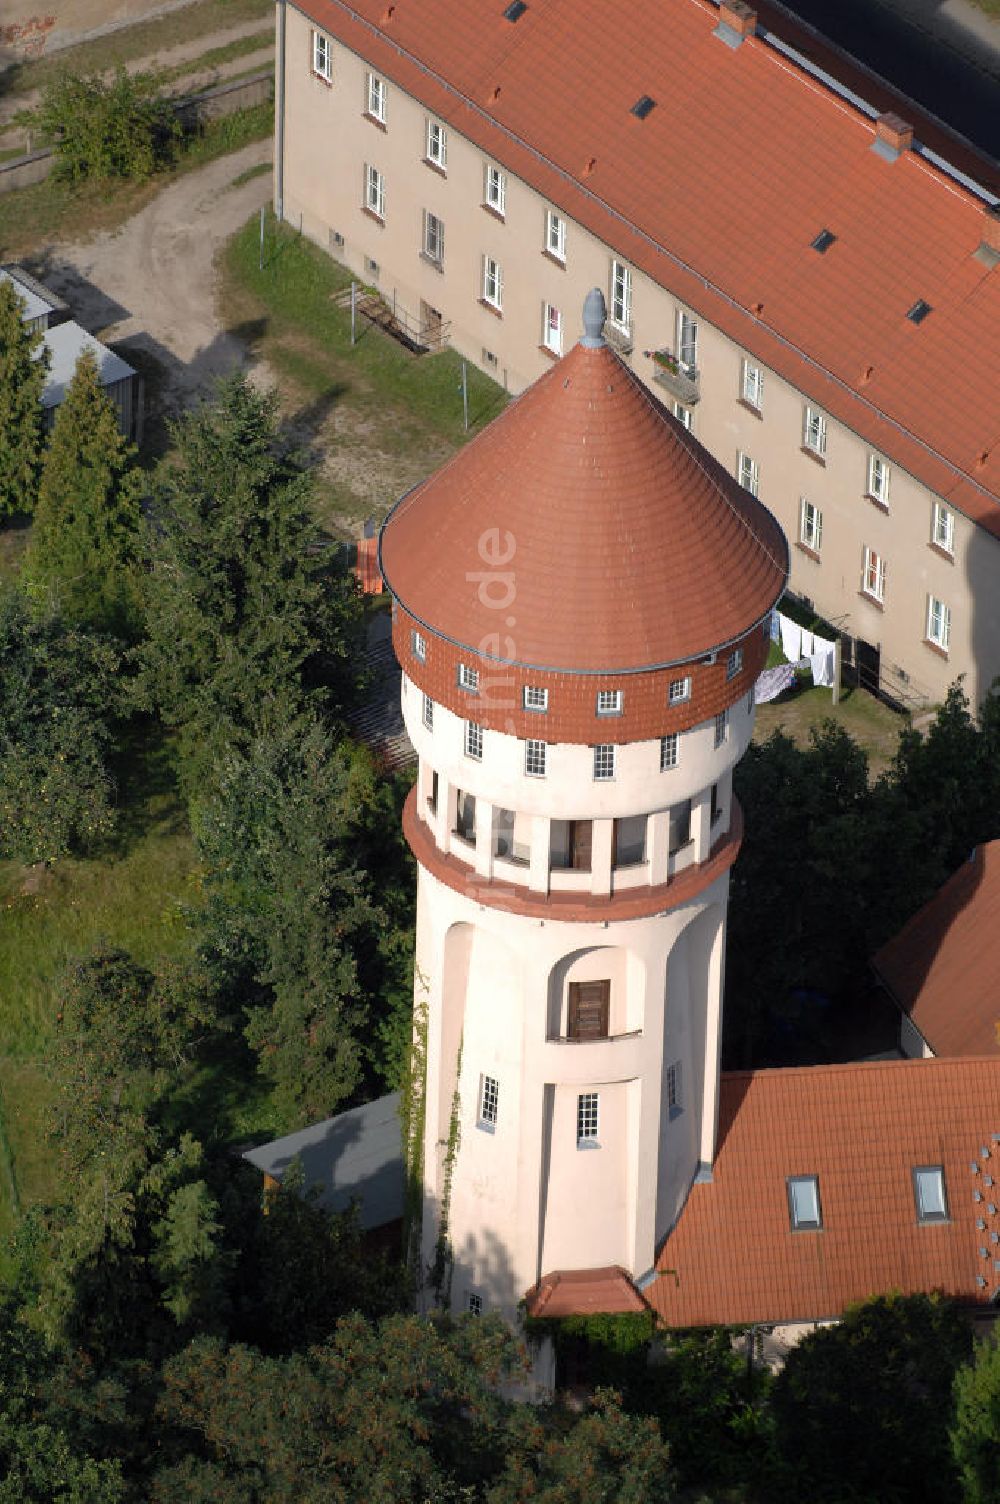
<point>836,670</point>
<point>465,395</point>
<point>279,119</point>
<point>260,259</point>
<point>354,311</point>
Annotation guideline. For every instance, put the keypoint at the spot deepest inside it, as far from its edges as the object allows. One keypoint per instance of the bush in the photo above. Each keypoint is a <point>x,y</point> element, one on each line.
<point>108,130</point>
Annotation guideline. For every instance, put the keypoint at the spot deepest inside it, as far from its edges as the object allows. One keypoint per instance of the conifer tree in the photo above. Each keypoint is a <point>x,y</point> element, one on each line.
<point>23,366</point>
<point>84,543</point>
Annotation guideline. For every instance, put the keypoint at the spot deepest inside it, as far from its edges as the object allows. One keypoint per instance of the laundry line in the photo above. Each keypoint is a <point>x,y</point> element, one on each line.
<point>804,649</point>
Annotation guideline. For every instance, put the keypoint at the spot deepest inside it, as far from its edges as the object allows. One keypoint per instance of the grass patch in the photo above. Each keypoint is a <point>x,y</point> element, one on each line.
<point>133,43</point>
<point>214,58</point>
<point>51,211</point>
<point>872,724</point>
<point>250,173</point>
<point>377,417</point>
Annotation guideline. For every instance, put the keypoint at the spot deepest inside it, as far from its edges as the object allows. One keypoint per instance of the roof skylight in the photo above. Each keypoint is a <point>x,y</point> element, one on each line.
<point>642,107</point>
<point>919,311</point>
<point>515,10</point>
<point>824,240</point>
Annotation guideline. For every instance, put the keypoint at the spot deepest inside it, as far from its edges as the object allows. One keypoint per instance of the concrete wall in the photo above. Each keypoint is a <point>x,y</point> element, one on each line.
<point>328,143</point>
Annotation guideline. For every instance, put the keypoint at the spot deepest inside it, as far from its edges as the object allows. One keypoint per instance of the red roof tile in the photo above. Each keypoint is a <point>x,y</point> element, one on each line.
<point>943,968</point>
<point>624,545</point>
<point>719,193</point>
<point>862,1129</point>
<point>585,1292</point>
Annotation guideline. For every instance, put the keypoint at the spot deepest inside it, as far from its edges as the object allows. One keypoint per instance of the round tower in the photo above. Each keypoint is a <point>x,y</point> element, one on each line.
<point>580,608</point>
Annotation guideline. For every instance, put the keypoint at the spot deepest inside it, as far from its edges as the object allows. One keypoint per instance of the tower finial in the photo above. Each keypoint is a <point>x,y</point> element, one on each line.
<point>594,313</point>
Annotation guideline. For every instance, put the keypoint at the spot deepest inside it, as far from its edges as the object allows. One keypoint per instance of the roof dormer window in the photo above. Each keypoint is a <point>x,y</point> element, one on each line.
<point>803,1203</point>
<point>929,1194</point>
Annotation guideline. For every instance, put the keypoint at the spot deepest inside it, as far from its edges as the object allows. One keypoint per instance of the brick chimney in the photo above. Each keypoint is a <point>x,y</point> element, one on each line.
<point>737,21</point>
<point>893,135</point>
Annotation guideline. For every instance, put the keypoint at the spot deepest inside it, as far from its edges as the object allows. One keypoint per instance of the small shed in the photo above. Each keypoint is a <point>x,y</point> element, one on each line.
<point>44,309</point>
<point>65,344</point>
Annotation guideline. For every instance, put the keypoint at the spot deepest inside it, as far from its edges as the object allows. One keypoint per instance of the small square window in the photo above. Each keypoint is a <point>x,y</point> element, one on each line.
<point>878,479</point>
<point>587,1109</point>
<point>437,144</point>
<point>604,761</point>
<point>684,415</point>
<point>474,740</point>
<point>810,525</point>
<point>943,528</point>
<point>753,385</point>
<point>492,283</point>
<point>555,235</point>
<point>489,1100</point>
<point>721,727</point>
<point>535,698</point>
<point>468,678</point>
<point>929,1194</point>
<point>495,189</point>
<point>803,1203</point>
<point>748,472</point>
<point>680,690</point>
<point>873,576</point>
<point>938,623</point>
<point>668,751</point>
<point>475,1304</point>
<point>428,713</point>
<point>322,57</point>
<point>418,642</point>
<point>374,191</point>
<point>674,1089</point>
<point>551,328</point>
<point>433,247</point>
<point>620,312</point>
<point>534,758</point>
<point>609,702</point>
<point>734,663</point>
<point>376,98</point>
<point>814,431</point>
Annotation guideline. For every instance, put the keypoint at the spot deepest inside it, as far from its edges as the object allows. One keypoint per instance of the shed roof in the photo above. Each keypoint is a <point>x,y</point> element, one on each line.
<point>36,306</point>
<point>719,193</point>
<point>943,968</point>
<point>66,343</point>
<point>357,1155</point>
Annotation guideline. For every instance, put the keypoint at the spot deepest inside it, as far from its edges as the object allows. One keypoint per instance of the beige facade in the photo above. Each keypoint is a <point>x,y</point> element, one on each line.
<point>878,554</point>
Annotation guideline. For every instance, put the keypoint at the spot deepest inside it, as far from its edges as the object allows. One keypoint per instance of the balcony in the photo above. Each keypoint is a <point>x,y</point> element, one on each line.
<point>680,377</point>
<point>619,338</point>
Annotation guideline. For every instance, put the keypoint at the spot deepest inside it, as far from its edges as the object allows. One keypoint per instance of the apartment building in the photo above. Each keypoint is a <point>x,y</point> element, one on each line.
<point>809,287</point>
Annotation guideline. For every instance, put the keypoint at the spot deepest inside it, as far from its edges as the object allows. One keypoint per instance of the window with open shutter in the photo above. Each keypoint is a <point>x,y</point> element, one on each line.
<point>589,1010</point>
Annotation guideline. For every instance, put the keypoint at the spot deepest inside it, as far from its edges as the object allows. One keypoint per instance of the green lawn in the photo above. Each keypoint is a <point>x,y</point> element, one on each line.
<point>380,417</point>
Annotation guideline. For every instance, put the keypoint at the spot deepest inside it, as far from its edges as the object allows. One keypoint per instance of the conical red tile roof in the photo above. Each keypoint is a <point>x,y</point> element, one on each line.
<point>629,546</point>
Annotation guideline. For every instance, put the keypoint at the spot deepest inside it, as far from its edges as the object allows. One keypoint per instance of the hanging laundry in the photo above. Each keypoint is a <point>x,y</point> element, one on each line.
<point>822,661</point>
<point>773,682</point>
<point>807,648</point>
<point>791,638</point>
<point>775,626</point>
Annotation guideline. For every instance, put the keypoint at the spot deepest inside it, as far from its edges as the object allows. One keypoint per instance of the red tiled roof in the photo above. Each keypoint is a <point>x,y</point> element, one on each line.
<point>718,194</point>
<point>585,1292</point>
<point>862,1129</point>
<point>943,968</point>
<point>623,543</point>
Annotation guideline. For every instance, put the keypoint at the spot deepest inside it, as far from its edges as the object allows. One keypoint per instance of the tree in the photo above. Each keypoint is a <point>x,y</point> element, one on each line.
<point>975,1432</point>
<point>245,625</point>
<point>24,363</point>
<point>61,694</point>
<point>862,1409</point>
<point>82,558</point>
<point>108,130</point>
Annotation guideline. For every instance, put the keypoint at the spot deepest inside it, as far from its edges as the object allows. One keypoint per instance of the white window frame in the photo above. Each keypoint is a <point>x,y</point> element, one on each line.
<point>436,144</point>
<point>535,698</point>
<point>610,701</point>
<point>427,713</point>
<point>495,188</point>
<point>620,306</point>
<point>873,575</point>
<point>418,642</point>
<point>810,525</point>
<point>747,472</point>
<point>806,1203</point>
<point>721,728</point>
<point>670,751</point>
<point>535,757</point>
<point>684,415</point>
<point>588,1118</point>
<point>930,1195</point>
<point>752,385</point>
<point>605,761</point>
<point>433,246</point>
<point>679,691</point>
<point>374,191</point>
<point>489,1102</point>
<point>492,283</point>
<point>555,235</point>
<point>377,93</point>
<point>938,623</point>
<point>687,343</point>
<point>814,431</point>
<point>474,740</point>
<point>734,663</point>
<point>468,679</point>
<point>552,328</point>
<point>878,479</point>
<point>943,528</point>
<point>322,57</point>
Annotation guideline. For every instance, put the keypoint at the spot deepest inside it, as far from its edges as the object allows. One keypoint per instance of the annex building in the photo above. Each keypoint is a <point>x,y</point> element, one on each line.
<point>810,286</point>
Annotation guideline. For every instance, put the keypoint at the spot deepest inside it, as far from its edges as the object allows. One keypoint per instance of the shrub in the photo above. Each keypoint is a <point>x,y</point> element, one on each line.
<point>108,130</point>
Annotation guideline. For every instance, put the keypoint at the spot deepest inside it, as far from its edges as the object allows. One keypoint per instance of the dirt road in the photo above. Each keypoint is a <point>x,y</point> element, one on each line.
<point>148,288</point>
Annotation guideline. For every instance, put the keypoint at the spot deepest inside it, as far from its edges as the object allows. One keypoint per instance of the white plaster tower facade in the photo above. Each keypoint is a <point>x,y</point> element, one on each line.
<point>580,608</point>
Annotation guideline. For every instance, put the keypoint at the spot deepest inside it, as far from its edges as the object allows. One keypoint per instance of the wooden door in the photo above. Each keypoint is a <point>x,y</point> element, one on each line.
<point>581,837</point>
<point>589,1008</point>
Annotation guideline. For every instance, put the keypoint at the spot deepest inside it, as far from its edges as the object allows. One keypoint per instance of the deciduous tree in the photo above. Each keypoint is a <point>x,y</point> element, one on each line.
<point>975,1432</point>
